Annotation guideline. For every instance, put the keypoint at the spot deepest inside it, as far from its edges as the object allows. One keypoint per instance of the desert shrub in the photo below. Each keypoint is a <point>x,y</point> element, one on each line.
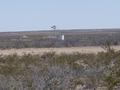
<point>111,81</point>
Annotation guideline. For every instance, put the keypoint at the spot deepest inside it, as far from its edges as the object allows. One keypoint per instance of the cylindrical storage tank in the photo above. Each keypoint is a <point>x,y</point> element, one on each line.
<point>63,37</point>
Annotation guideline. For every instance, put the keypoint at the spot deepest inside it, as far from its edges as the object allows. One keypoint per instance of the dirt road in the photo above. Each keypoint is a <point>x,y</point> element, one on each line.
<point>88,49</point>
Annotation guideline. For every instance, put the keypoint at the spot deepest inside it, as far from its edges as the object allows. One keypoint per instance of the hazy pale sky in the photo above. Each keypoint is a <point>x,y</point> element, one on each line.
<point>20,15</point>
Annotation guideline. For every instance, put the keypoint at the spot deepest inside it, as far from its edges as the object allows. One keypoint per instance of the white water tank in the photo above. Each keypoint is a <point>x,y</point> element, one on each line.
<point>63,37</point>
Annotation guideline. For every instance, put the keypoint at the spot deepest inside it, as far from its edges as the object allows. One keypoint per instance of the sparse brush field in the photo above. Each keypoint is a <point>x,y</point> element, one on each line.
<point>45,39</point>
<point>51,71</point>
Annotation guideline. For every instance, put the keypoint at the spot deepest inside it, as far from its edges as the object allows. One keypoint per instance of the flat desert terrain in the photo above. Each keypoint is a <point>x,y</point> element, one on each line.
<point>87,49</point>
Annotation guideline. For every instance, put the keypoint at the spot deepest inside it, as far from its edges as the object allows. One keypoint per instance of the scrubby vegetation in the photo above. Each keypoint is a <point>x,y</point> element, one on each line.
<point>73,38</point>
<point>51,71</point>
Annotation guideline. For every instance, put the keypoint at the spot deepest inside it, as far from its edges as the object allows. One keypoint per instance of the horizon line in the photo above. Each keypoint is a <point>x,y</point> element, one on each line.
<point>80,29</point>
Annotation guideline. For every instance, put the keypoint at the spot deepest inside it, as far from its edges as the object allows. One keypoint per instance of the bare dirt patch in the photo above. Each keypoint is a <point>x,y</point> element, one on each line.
<point>88,49</point>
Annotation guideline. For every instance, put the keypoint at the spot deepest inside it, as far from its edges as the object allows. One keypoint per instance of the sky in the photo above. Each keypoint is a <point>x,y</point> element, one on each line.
<point>32,15</point>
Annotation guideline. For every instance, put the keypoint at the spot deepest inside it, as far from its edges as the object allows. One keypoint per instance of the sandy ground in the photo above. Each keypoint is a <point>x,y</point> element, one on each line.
<point>88,49</point>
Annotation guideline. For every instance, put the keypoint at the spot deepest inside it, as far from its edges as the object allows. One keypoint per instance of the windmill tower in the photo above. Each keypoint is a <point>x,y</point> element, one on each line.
<point>61,36</point>
<point>54,29</point>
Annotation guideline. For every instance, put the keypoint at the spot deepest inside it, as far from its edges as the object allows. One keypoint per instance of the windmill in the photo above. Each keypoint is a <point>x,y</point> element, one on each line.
<point>54,29</point>
<point>62,37</point>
